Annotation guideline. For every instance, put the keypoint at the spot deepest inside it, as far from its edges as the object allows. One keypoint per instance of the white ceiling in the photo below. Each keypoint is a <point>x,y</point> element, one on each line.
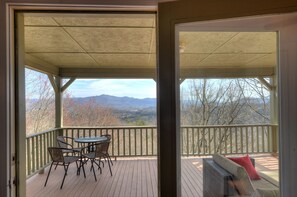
<point>129,41</point>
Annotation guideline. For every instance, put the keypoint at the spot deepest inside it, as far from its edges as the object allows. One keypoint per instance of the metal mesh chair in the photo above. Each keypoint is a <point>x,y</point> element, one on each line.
<point>68,148</point>
<point>101,151</point>
<point>59,158</point>
<point>108,136</point>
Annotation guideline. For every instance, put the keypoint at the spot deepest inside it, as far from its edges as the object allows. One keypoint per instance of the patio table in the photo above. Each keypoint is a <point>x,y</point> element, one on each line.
<point>90,140</point>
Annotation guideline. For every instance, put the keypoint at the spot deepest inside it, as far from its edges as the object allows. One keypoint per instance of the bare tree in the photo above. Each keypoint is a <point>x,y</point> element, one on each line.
<point>40,108</point>
<point>222,102</point>
<point>212,102</point>
<point>257,98</point>
<point>88,113</point>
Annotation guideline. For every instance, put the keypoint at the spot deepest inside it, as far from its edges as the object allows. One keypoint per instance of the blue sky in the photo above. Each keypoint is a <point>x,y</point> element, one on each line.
<point>137,88</point>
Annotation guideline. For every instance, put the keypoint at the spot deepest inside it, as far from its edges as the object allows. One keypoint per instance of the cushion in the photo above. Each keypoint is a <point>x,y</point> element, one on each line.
<point>245,162</point>
<point>260,192</point>
<point>242,181</point>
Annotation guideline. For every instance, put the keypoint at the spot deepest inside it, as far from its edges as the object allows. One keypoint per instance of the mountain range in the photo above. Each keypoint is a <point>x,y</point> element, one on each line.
<point>120,103</point>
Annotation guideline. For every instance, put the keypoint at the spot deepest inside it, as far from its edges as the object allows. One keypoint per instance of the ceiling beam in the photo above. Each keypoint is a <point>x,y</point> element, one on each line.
<point>226,72</point>
<point>185,73</point>
<point>136,73</point>
<point>40,65</point>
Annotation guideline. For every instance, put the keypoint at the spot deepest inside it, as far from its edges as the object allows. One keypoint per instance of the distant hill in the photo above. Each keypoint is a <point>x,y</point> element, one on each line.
<point>120,103</point>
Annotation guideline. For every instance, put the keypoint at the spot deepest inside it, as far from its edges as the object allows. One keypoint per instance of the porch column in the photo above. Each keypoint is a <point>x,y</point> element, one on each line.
<point>59,104</point>
<point>274,114</point>
<point>56,82</point>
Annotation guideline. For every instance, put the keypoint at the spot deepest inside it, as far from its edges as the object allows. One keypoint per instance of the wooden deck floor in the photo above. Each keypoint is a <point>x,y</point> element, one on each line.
<point>131,177</point>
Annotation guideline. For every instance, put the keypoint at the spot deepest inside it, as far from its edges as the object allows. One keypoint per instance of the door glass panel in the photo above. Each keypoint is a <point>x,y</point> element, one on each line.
<point>228,100</point>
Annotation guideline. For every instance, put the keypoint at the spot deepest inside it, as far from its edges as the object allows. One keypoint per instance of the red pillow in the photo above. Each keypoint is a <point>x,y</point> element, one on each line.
<point>247,164</point>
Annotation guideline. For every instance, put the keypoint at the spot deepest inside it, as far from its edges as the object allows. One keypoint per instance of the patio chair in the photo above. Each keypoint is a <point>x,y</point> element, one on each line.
<point>101,151</point>
<point>108,136</point>
<point>68,148</point>
<point>59,158</point>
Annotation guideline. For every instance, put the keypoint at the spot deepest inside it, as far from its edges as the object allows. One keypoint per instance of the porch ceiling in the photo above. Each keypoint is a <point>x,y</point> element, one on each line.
<point>124,45</point>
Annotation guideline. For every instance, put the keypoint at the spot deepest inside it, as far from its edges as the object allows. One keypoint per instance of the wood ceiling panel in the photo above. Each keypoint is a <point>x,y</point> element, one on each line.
<point>67,59</point>
<point>49,39</point>
<point>228,60</point>
<point>267,60</point>
<point>191,60</point>
<point>112,40</point>
<point>203,42</point>
<point>39,21</point>
<point>121,20</point>
<point>123,60</point>
<point>250,42</point>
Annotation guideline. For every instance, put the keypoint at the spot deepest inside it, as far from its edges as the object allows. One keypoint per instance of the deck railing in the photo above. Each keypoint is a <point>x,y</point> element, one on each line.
<point>37,155</point>
<point>135,141</point>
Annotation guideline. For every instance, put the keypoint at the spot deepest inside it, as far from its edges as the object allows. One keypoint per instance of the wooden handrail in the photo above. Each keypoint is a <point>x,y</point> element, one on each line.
<point>135,141</point>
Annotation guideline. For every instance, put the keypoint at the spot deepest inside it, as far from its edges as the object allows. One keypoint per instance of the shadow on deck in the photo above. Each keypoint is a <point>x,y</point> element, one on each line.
<point>131,177</point>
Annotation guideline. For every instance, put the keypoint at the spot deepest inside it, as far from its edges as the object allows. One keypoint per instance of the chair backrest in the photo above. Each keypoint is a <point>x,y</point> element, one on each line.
<point>62,142</point>
<point>56,154</point>
<point>101,148</point>
<point>108,136</point>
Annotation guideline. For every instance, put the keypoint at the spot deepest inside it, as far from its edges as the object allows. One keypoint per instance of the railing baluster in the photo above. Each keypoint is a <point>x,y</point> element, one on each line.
<point>124,139</point>
<point>252,135</point>
<point>182,140</point>
<point>220,140</point>
<point>48,145</point>
<point>240,149</point>
<point>214,140</point>
<point>140,142</point>
<point>33,154</point>
<point>152,140</point>
<point>187,136</point>
<point>129,142</point>
<point>118,142</point>
<point>231,141</point>
<point>263,139</point>
<point>44,150</point>
<point>225,134</point>
<point>193,145</point>
<point>28,156</point>
<point>146,140</point>
<point>269,137</point>
<point>198,140</point>
<point>204,139</point>
<point>247,140</point>
<point>236,140</point>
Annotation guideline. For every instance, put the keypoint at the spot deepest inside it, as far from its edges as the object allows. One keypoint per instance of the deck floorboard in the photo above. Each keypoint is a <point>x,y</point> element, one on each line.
<point>132,177</point>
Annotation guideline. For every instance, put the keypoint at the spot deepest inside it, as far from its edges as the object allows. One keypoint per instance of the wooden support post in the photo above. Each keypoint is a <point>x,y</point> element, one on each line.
<point>274,115</point>
<point>275,140</point>
<point>56,83</point>
<point>59,104</point>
